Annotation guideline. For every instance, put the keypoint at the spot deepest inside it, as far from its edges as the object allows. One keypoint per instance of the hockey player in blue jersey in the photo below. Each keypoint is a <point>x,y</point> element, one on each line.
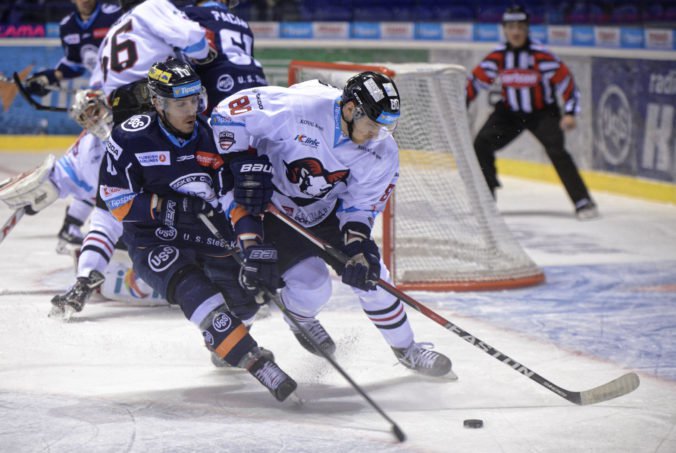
<point>234,67</point>
<point>163,170</point>
<point>81,34</point>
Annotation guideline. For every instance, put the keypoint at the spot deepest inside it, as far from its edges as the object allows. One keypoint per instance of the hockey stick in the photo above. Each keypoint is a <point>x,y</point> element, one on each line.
<point>621,386</point>
<point>11,223</point>
<point>398,433</point>
<point>35,104</point>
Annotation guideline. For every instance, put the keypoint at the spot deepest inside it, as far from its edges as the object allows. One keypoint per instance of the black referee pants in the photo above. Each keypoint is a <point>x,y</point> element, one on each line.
<point>503,126</point>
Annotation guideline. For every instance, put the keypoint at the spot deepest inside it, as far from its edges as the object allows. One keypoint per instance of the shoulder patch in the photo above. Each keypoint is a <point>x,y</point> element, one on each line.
<point>136,123</point>
<point>65,20</point>
<point>72,39</point>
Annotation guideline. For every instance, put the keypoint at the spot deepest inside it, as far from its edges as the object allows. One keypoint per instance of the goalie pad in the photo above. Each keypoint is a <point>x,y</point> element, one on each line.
<point>124,285</point>
<point>32,189</point>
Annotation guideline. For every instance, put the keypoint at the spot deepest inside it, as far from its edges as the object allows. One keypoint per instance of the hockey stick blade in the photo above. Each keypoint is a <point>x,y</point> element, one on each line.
<point>35,104</point>
<point>610,390</point>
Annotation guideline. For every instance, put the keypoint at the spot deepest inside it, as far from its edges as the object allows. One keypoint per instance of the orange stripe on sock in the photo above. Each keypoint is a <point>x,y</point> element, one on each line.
<point>231,340</point>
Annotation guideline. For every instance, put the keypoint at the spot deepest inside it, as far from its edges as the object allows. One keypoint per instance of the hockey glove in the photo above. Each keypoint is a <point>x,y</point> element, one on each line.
<point>174,209</point>
<point>259,271</point>
<point>362,270</point>
<point>37,84</point>
<point>253,183</point>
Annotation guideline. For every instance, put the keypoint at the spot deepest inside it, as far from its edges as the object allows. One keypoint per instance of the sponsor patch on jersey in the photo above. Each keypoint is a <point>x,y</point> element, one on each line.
<point>109,8</point>
<point>225,83</point>
<point>153,158</point>
<point>221,322</point>
<point>165,233</point>
<point>72,39</point>
<point>226,139</point>
<point>113,148</point>
<point>159,259</point>
<point>136,123</point>
<point>375,92</point>
<point>519,78</point>
<point>100,33</point>
<point>307,141</point>
<point>218,119</point>
<point>206,159</point>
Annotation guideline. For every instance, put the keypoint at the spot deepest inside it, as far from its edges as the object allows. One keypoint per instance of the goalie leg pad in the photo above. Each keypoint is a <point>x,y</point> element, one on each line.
<point>33,189</point>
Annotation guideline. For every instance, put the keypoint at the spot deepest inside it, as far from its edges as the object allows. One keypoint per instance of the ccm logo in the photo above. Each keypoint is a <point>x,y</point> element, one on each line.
<point>256,168</point>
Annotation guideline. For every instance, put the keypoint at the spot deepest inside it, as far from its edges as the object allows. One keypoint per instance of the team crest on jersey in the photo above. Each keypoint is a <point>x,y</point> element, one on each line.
<point>136,123</point>
<point>225,83</point>
<point>226,139</point>
<point>312,178</point>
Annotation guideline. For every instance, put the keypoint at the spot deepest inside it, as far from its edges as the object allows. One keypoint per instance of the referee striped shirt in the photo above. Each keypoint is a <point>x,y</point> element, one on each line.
<point>530,77</point>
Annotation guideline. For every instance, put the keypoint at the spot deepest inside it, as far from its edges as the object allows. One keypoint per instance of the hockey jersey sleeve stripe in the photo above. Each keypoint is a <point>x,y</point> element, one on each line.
<point>197,48</point>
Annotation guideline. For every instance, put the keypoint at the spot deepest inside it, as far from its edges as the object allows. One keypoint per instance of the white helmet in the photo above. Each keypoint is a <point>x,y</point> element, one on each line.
<point>91,111</point>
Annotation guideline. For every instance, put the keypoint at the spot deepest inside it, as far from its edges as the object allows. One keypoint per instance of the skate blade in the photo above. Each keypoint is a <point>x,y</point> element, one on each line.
<point>295,399</point>
<point>68,312</point>
<point>55,313</point>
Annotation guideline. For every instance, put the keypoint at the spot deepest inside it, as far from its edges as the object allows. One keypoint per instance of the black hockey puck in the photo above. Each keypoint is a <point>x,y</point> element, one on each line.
<point>473,423</point>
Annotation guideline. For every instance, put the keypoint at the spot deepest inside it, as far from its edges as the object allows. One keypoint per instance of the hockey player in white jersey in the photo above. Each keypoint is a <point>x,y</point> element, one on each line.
<point>148,32</point>
<point>335,164</point>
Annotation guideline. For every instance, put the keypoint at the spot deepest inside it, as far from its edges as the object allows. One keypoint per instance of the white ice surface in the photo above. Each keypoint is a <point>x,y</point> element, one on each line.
<point>125,378</point>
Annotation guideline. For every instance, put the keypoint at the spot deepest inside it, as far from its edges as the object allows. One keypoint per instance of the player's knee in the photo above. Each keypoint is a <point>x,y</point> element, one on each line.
<point>309,280</point>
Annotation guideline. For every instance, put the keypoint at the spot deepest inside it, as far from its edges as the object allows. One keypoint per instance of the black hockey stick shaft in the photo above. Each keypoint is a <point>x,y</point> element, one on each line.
<point>399,434</point>
<point>35,104</point>
<point>11,223</point>
<point>613,389</point>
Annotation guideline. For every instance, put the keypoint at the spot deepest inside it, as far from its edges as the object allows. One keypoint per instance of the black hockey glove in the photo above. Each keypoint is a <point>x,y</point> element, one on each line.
<point>362,270</point>
<point>259,271</point>
<point>37,83</point>
<point>174,209</point>
<point>253,183</point>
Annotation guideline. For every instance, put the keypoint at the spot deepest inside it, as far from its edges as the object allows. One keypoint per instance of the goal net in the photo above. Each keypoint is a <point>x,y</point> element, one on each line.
<point>441,229</point>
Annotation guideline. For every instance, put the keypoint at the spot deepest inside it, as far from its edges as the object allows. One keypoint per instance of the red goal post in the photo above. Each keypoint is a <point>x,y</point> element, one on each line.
<point>441,229</point>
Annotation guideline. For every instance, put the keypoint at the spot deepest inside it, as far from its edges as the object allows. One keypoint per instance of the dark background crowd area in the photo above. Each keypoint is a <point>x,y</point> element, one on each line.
<point>556,12</point>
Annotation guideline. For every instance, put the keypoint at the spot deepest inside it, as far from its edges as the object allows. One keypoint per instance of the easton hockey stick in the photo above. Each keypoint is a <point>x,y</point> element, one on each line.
<point>35,104</point>
<point>398,433</point>
<point>621,386</point>
<point>11,223</point>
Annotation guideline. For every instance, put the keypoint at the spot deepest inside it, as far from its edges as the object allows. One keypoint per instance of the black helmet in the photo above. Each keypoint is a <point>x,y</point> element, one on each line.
<point>516,13</point>
<point>376,94</point>
<point>173,79</point>
<point>129,4</point>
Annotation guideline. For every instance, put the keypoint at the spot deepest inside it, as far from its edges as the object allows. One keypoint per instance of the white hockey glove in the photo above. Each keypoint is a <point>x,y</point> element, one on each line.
<point>32,190</point>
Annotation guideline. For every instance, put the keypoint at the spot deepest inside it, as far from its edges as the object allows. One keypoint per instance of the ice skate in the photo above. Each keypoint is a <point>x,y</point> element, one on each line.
<point>316,332</point>
<point>70,239</point>
<point>65,305</point>
<point>425,361</point>
<point>586,209</point>
<point>268,373</point>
